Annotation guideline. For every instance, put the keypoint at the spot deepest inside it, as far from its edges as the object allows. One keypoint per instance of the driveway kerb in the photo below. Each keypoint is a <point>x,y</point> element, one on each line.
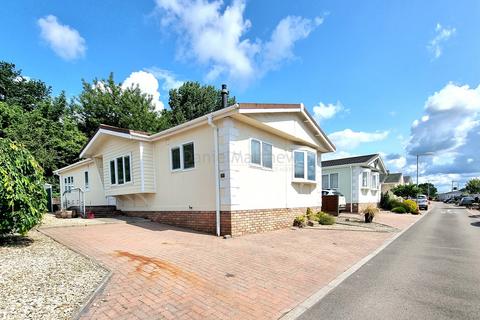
<point>88,301</point>
<point>320,294</point>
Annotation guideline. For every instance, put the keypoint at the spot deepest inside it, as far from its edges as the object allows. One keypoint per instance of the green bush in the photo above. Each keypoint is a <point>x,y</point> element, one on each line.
<point>411,206</point>
<point>299,221</point>
<point>22,194</point>
<point>399,210</point>
<point>385,200</point>
<point>325,219</point>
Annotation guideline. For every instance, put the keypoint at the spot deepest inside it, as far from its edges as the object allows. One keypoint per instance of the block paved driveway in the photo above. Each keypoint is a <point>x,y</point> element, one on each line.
<point>163,272</point>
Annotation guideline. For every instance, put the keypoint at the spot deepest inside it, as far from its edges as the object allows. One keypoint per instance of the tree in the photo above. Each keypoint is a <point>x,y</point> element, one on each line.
<point>106,102</point>
<point>15,89</point>
<point>428,189</point>
<point>406,191</point>
<point>473,186</point>
<point>22,194</point>
<point>192,100</point>
<point>54,144</point>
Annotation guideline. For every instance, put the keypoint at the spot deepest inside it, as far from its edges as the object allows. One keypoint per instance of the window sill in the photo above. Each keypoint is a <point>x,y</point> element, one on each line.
<point>258,166</point>
<point>305,181</point>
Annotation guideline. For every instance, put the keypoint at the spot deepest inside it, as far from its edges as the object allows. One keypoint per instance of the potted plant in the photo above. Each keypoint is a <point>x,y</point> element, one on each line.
<point>369,213</point>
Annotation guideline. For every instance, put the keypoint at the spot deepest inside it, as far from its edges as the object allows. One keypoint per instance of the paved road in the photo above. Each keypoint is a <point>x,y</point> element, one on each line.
<point>431,272</point>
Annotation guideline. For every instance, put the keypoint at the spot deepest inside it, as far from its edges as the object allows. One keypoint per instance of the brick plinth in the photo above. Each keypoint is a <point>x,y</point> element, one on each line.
<point>235,223</point>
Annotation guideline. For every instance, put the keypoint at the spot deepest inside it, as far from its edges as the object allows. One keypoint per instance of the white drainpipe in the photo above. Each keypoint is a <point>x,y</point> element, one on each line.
<point>351,189</point>
<point>217,181</point>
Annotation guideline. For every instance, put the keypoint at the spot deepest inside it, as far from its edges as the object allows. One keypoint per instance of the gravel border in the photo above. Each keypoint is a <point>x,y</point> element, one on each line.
<point>100,287</point>
<point>43,279</point>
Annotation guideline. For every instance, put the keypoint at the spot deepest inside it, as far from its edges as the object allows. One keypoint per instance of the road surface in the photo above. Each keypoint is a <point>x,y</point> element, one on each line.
<point>432,271</point>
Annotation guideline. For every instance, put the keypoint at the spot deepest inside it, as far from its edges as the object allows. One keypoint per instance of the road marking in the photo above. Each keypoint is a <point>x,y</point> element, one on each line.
<point>320,294</point>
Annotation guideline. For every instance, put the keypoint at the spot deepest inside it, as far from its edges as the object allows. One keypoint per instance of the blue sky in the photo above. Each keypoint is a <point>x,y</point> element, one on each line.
<point>367,69</point>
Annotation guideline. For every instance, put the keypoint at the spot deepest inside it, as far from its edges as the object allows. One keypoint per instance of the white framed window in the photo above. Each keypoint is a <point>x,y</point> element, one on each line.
<point>334,181</point>
<point>365,179</point>
<point>261,153</point>
<point>182,157</point>
<point>325,181</point>
<point>330,181</point>
<point>68,183</point>
<point>120,170</point>
<point>375,179</point>
<point>86,181</point>
<point>304,165</point>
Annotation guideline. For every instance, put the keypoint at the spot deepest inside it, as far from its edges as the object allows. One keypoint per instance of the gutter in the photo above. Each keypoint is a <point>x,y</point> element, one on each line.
<point>217,181</point>
<point>351,189</point>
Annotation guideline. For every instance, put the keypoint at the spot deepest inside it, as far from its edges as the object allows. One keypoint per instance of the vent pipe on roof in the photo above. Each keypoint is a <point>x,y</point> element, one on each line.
<point>224,93</point>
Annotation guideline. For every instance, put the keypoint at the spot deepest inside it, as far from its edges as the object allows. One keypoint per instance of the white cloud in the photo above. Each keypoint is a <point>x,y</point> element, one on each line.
<point>394,162</point>
<point>167,78</point>
<point>449,128</point>
<point>65,41</point>
<point>349,139</point>
<point>288,31</point>
<point>326,111</point>
<point>442,35</point>
<point>147,83</point>
<point>336,155</point>
<point>214,36</point>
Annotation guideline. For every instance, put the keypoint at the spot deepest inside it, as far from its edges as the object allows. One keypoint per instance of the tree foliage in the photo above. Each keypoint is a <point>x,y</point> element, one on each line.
<point>106,102</point>
<point>15,89</point>
<point>406,191</point>
<point>192,100</point>
<point>22,193</point>
<point>428,189</point>
<point>473,186</point>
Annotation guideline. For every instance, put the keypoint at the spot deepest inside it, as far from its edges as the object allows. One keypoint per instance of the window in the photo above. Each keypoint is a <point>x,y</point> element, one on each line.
<point>68,183</point>
<point>120,170</point>
<point>188,156</point>
<point>86,182</point>
<point>261,153</point>
<point>183,157</point>
<point>112,172</point>
<point>301,166</point>
<point>334,181</point>
<point>330,181</point>
<point>299,158</point>
<point>267,155</point>
<point>365,179</point>
<point>176,164</point>
<point>311,166</point>
<point>325,184</point>
<point>374,181</point>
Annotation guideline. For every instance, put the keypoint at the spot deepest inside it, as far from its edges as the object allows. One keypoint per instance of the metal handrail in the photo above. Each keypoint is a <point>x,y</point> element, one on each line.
<point>80,204</point>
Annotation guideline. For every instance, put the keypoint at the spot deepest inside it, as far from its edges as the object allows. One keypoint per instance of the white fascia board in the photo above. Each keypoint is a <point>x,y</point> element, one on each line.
<point>73,166</point>
<point>319,133</point>
<point>100,132</point>
<point>219,114</point>
<point>271,110</point>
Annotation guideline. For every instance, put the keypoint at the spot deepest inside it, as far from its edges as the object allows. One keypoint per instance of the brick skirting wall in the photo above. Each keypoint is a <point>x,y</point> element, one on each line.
<point>233,223</point>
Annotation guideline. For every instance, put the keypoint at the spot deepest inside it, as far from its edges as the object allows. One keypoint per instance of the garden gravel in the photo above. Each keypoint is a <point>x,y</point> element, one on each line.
<point>42,279</point>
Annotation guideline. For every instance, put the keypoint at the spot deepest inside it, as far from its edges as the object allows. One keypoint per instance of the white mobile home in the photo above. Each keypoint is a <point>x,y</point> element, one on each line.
<point>243,169</point>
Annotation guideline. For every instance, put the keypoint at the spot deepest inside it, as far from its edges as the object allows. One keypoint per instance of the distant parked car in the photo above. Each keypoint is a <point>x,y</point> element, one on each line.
<point>422,202</point>
<point>466,201</point>
<point>342,202</point>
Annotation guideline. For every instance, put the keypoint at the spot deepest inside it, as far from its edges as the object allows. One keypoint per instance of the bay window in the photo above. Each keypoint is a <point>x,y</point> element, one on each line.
<point>120,170</point>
